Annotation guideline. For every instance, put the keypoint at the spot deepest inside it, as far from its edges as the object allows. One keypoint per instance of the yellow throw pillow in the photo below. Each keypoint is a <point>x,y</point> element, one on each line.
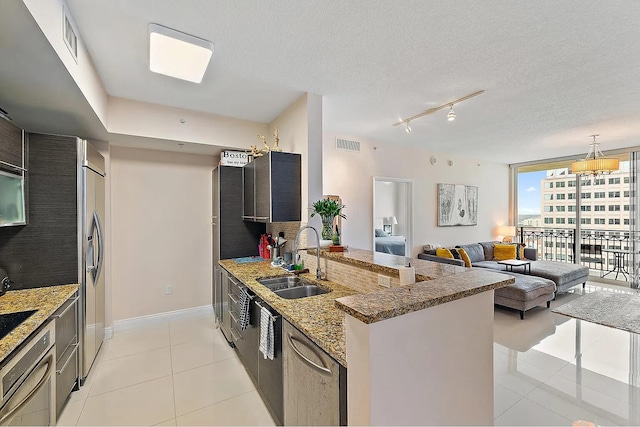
<point>503,252</point>
<point>444,253</point>
<point>465,257</point>
<point>520,247</point>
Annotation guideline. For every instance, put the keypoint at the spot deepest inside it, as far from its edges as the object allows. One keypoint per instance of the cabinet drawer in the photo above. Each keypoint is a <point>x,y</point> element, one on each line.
<point>234,286</point>
<point>66,376</point>
<point>66,326</point>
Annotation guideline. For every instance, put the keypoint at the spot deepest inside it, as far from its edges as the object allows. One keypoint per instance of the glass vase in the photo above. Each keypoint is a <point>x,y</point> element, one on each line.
<point>327,227</point>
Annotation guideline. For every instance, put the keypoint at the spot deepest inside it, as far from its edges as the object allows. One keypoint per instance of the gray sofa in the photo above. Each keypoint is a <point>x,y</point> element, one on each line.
<point>529,290</point>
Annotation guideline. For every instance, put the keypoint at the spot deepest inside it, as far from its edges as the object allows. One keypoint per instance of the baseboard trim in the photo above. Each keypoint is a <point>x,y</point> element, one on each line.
<point>156,319</point>
<point>108,333</point>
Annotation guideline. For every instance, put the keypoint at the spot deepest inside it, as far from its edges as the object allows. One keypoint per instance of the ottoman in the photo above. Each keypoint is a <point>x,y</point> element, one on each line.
<point>527,292</point>
<point>565,275</point>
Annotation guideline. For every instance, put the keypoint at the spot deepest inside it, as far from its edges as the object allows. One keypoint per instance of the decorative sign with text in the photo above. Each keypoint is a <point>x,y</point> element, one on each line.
<point>234,158</point>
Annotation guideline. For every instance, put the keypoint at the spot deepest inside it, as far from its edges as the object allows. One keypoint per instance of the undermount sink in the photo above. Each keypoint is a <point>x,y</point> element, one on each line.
<point>284,282</point>
<point>301,292</point>
<point>292,287</point>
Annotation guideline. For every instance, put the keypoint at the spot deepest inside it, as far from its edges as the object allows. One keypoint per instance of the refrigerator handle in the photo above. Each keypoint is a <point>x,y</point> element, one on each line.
<point>100,261</point>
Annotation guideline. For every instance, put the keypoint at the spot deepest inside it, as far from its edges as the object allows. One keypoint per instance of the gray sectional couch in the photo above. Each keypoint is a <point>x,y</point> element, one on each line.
<point>529,290</point>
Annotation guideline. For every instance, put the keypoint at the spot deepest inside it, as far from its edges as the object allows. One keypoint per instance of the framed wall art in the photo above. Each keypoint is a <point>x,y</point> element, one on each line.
<point>457,205</point>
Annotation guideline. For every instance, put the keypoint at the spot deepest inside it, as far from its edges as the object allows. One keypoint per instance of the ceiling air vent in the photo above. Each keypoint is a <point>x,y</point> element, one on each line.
<point>70,33</point>
<point>347,145</point>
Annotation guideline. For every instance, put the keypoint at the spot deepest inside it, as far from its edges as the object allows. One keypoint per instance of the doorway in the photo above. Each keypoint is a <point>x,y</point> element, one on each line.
<point>392,215</point>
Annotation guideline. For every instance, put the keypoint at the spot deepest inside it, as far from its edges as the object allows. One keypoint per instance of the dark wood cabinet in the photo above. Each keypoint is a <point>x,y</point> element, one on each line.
<point>276,193</point>
<point>248,191</point>
<point>11,146</point>
<point>13,177</point>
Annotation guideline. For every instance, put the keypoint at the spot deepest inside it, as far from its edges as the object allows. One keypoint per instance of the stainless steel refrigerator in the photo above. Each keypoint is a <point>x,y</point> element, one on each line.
<point>91,217</point>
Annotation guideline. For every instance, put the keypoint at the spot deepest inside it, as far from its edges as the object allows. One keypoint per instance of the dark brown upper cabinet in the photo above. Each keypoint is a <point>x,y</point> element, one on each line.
<point>272,189</point>
<point>13,209</point>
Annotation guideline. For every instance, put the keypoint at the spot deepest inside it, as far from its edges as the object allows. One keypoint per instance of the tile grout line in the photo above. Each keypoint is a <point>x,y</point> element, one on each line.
<point>213,404</point>
<point>173,380</point>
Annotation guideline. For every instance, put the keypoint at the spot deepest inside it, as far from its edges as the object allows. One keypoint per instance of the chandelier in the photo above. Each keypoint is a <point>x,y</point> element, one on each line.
<point>595,163</point>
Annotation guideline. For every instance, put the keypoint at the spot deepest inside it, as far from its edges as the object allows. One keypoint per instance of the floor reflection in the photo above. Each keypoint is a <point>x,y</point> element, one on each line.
<point>550,369</point>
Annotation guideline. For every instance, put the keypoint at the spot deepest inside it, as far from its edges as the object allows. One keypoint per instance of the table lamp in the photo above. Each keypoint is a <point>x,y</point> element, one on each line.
<point>507,232</point>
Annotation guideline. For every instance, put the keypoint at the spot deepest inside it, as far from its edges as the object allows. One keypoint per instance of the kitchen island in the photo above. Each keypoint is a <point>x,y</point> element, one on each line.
<point>416,354</point>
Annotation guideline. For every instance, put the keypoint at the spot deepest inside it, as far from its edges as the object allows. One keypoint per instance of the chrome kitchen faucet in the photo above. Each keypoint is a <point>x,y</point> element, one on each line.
<point>295,250</point>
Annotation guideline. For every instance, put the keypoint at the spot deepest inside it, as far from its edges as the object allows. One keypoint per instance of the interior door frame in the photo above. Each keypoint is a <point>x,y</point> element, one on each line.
<point>409,206</point>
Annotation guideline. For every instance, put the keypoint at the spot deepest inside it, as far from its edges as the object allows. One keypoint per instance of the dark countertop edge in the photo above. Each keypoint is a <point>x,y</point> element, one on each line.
<point>397,308</point>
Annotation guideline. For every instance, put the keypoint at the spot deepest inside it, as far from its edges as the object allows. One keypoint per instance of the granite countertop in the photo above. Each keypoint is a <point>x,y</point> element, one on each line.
<point>317,316</point>
<point>389,303</point>
<point>45,300</point>
<point>388,264</point>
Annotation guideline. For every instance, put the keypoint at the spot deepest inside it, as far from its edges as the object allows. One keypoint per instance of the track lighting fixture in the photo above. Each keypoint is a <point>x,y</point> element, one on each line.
<point>452,114</point>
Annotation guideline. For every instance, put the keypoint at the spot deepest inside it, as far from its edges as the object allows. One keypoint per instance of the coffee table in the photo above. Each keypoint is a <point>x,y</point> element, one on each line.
<point>510,263</point>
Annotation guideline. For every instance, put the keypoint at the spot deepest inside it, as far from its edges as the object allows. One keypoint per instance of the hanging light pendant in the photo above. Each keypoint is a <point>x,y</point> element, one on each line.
<point>595,163</point>
<point>452,114</point>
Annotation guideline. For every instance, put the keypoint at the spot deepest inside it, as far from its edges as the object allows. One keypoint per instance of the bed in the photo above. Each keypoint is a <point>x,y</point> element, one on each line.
<point>390,244</point>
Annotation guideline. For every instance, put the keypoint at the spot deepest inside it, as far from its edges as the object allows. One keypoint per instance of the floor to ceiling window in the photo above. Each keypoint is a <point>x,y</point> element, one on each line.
<point>586,219</point>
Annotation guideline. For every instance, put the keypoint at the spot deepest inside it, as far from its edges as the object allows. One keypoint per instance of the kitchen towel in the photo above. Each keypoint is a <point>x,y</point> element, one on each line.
<point>407,275</point>
<point>266,333</point>
<point>245,313</point>
<point>247,259</point>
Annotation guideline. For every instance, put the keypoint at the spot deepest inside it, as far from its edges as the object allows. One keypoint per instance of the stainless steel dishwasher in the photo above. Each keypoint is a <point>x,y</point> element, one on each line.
<point>28,382</point>
<point>314,383</point>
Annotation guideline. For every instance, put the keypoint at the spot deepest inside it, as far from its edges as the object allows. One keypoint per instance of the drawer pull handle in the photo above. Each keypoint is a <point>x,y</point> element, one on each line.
<point>233,317</point>
<point>305,358</point>
<point>61,370</point>
<point>232,298</point>
<point>57,316</point>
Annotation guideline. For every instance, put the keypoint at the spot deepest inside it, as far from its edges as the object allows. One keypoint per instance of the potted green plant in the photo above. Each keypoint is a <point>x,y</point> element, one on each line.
<point>328,209</point>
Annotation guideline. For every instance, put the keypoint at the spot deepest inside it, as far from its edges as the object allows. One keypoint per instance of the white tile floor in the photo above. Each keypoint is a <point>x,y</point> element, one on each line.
<point>178,373</point>
<point>548,369</point>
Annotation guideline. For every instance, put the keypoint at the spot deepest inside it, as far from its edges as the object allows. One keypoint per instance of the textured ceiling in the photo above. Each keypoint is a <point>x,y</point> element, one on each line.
<point>554,71</point>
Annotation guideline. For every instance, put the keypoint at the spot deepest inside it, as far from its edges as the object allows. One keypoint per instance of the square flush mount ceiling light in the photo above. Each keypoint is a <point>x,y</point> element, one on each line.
<point>177,54</point>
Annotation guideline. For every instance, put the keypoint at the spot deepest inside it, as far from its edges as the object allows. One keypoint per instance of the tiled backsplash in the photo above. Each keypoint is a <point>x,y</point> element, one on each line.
<point>358,279</point>
<point>290,229</point>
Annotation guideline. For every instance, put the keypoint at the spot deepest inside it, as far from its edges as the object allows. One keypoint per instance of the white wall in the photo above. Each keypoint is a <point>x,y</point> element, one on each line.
<point>160,231</point>
<point>300,131</point>
<point>349,175</point>
<point>129,117</point>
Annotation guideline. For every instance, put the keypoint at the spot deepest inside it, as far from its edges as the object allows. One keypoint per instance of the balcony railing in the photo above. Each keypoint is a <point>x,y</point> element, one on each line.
<point>605,252</point>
